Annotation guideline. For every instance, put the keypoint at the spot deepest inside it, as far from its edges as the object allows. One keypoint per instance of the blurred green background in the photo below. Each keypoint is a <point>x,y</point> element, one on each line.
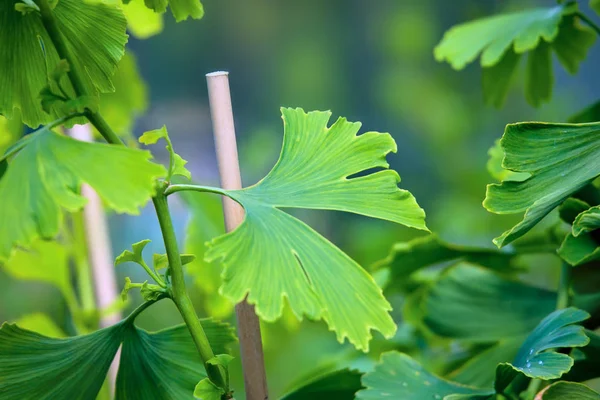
<point>369,61</point>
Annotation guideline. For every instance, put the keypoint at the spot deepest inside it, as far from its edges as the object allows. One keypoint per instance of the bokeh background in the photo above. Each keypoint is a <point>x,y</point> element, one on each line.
<point>369,61</point>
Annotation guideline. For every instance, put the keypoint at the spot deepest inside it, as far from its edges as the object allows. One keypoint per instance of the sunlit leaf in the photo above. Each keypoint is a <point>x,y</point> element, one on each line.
<point>94,32</point>
<point>272,256</point>
<point>165,365</point>
<point>338,385</point>
<point>561,158</point>
<point>534,360</point>
<point>176,164</point>
<point>475,304</point>
<point>43,178</point>
<point>398,376</point>
<point>181,9</point>
<point>11,130</point>
<point>45,261</point>
<point>569,391</point>
<point>33,366</point>
<point>142,22</point>
<point>206,390</point>
<point>135,256</point>
<point>40,323</point>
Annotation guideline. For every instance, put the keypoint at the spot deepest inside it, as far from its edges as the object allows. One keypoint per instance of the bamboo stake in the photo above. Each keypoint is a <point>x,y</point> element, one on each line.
<point>253,363</point>
<point>99,252</point>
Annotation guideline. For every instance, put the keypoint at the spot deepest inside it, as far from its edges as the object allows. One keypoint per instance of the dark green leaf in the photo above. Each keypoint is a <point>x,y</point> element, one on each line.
<point>589,114</point>
<point>398,376</point>
<point>587,360</point>
<point>497,79</point>
<point>336,385</point>
<point>539,78</point>
<point>569,391</point>
<point>561,158</point>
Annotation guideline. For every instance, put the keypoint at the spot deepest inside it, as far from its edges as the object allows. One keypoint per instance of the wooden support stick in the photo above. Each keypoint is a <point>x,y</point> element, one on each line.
<point>229,170</point>
<point>99,252</point>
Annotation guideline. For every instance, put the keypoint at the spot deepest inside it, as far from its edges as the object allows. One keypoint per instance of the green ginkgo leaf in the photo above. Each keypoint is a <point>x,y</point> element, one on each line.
<point>568,391</point>
<point>535,360</point>
<point>501,39</point>
<point>33,366</point>
<point>165,365</point>
<point>142,22</point>
<point>40,323</point>
<point>273,256</point>
<point>587,360</point>
<point>561,158</point>
<point>176,163</point>
<point>206,390</point>
<point>181,9</point>
<point>11,131</point>
<point>398,376</point>
<point>44,175</point>
<point>339,385</point>
<point>495,169</point>
<point>95,32</point>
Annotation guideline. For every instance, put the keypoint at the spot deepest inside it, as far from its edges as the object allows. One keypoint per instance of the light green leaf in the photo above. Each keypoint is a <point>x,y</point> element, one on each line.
<point>338,385</point>
<point>142,22</point>
<point>165,364</point>
<point>33,366</point>
<point>94,32</point>
<point>221,359</point>
<point>206,390</point>
<point>130,99</point>
<point>316,278</point>
<point>477,305</point>
<point>409,257</point>
<point>181,9</point>
<point>176,163</point>
<point>493,36</point>
<point>398,376</point>
<point>539,78</point>
<point>135,256</point>
<point>557,330</point>
<point>11,131</point>
<point>497,79</point>
<point>45,261</point>
<point>40,323</point>
<point>161,261</point>
<point>569,391</point>
<point>495,169</point>
<point>43,178</point>
<point>204,224</point>
<point>561,158</point>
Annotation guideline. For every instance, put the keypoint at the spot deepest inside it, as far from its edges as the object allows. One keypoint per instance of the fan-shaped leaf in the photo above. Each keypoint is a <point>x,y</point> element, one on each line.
<point>569,391</point>
<point>95,32</point>
<point>561,158</point>
<point>339,385</point>
<point>272,255</point>
<point>398,376</point>
<point>181,9</point>
<point>45,175</point>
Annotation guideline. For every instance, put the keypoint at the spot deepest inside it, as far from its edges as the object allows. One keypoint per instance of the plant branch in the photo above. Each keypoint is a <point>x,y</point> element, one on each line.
<point>588,21</point>
<point>564,286</point>
<point>74,74</point>
<point>179,294</point>
<point>196,188</point>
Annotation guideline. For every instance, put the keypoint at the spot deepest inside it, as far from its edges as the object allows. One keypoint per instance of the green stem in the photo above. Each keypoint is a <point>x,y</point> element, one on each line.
<point>588,21</point>
<point>85,283</point>
<point>564,286</point>
<point>142,307</point>
<point>74,73</point>
<point>179,293</point>
<point>196,188</point>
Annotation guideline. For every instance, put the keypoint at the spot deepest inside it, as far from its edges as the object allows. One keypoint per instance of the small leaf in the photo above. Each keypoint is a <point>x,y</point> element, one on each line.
<point>561,158</point>
<point>316,278</point>
<point>161,261</point>
<point>533,360</point>
<point>568,391</point>
<point>495,168</point>
<point>151,292</point>
<point>43,178</point>
<point>398,376</point>
<point>33,366</point>
<point>94,32</point>
<point>338,385</point>
<point>571,208</point>
<point>497,79</point>
<point>587,221</point>
<point>142,22</point>
<point>539,78</point>
<point>587,360</point>
<point>573,43</point>
<point>135,256</point>
<point>206,390</point>
<point>221,359</point>
<point>177,164</point>
<point>181,9</point>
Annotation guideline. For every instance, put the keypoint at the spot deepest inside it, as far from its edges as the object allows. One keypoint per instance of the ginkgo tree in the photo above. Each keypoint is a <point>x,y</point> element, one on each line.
<point>62,57</point>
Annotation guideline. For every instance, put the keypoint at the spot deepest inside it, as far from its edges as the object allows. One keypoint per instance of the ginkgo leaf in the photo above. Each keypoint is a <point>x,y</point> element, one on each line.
<point>11,131</point>
<point>95,32</point>
<point>181,9</point>
<point>206,390</point>
<point>561,158</point>
<point>44,176</point>
<point>40,323</point>
<point>176,163</point>
<point>588,114</point>
<point>339,385</point>
<point>142,22</point>
<point>398,376</point>
<point>501,39</point>
<point>568,391</point>
<point>495,168</point>
<point>534,360</point>
<point>33,366</point>
<point>273,256</point>
<point>165,365</point>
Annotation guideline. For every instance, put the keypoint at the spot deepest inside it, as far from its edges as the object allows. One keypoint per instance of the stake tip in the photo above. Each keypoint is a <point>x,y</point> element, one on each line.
<point>217,73</point>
